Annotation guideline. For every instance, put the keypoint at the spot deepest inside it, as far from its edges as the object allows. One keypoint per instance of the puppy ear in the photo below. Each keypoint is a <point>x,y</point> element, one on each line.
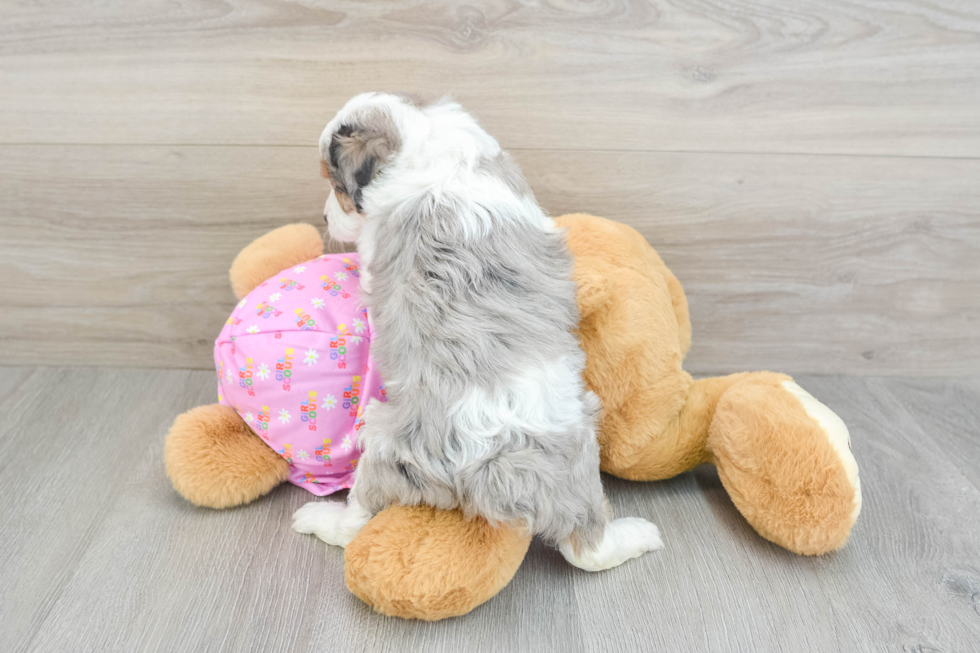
<point>363,177</point>
<point>357,153</point>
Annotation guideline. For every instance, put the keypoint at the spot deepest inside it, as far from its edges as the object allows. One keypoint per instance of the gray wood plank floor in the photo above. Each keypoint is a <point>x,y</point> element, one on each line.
<point>98,554</point>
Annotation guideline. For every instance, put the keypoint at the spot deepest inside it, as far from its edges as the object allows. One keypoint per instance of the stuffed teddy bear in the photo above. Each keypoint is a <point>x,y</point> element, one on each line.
<point>783,457</point>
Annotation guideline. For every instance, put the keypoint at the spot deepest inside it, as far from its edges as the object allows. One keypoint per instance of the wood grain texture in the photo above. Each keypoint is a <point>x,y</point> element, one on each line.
<point>809,170</point>
<point>98,554</point>
<point>866,265</point>
<point>867,77</point>
<point>950,414</point>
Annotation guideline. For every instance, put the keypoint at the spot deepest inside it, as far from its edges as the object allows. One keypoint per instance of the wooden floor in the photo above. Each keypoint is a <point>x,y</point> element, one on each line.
<point>98,553</point>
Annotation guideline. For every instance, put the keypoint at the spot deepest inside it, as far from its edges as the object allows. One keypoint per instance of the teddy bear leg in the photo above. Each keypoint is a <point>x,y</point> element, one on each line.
<point>215,460</point>
<point>785,460</point>
<point>425,563</point>
<point>664,432</point>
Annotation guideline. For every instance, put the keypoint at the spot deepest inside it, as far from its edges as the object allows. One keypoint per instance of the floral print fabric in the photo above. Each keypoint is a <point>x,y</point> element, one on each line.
<point>294,361</point>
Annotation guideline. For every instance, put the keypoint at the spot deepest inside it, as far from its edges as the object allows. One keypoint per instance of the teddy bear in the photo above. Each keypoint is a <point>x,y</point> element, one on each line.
<point>783,457</point>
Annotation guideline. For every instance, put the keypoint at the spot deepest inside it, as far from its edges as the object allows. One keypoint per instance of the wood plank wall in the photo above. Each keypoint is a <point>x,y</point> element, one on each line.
<point>810,171</point>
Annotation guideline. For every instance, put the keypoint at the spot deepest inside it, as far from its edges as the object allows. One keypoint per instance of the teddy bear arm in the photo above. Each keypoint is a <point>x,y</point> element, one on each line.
<point>215,460</point>
<point>272,253</point>
<point>600,246</point>
<point>679,301</point>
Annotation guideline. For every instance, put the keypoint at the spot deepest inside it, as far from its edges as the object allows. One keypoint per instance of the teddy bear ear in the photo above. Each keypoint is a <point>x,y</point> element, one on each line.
<point>593,287</point>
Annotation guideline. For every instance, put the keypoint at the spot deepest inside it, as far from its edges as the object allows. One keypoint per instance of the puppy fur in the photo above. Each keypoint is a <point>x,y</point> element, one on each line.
<point>473,309</point>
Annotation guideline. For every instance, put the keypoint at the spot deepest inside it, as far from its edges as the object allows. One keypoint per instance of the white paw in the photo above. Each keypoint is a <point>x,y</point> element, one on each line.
<point>623,539</point>
<point>325,519</point>
<point>638,535</point>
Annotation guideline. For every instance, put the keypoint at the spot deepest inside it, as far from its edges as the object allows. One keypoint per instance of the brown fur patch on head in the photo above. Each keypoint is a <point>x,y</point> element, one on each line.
<point>358,150</point>
<point>345,200</point>
<point>347,203</point>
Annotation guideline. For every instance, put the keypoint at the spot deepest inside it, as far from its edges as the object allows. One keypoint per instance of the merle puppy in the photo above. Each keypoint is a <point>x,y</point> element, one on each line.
<point>472,303</point>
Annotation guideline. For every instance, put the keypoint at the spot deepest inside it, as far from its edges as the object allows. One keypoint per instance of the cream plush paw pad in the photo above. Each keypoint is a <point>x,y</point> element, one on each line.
<point>837,434</point>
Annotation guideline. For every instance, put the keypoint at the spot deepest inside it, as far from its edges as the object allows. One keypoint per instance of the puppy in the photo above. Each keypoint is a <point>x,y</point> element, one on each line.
<point>469,288</point>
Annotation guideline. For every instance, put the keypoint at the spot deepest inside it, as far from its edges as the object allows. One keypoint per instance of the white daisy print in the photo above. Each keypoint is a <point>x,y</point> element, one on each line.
<point>358,325</point>
<point>249,417</point>
<point>241,304</point>
<point>274,297</point>
<point>341,276</point>
<point>345,445</point>
<point>356,339</point>
<point>303,455</point>
<point>330,402</point>
<point>311,357</point>
<point>253,329</point>
<point>317,302</point>
<point>229,375</point>
<point>299,268</point>
<point>263,371</point>
<point>284,416</point>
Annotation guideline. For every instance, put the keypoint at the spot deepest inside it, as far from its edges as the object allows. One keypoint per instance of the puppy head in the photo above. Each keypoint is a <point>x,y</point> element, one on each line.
<point>355,147</point>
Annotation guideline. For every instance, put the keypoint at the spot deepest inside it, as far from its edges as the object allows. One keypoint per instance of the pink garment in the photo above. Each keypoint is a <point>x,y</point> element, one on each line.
<point>294,361</point>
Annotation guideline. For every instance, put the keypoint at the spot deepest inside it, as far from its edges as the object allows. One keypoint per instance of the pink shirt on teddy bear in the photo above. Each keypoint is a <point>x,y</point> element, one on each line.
<point>294,361</point>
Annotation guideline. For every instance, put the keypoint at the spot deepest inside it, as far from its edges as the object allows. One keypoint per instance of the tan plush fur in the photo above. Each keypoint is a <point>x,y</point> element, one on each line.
<point>773,458</point>
<point>475,562</point>
<point>779,467</point>
<point>215,460</point>
<point>272,253</point>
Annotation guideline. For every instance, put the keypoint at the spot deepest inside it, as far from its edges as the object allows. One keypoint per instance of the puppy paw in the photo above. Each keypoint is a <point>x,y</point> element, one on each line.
<point>623,539</point>
<point>637,535</point>
<point>323,519</point>
<point>333,522</point>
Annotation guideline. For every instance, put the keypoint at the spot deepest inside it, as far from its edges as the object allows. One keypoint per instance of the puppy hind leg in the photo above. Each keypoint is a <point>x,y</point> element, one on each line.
<point>604,542</point>
<point>598,541</point>
<point>337,523</point>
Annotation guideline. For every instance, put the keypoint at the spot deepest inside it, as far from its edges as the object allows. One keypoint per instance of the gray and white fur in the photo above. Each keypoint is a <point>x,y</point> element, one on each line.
<point>470,292</point>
